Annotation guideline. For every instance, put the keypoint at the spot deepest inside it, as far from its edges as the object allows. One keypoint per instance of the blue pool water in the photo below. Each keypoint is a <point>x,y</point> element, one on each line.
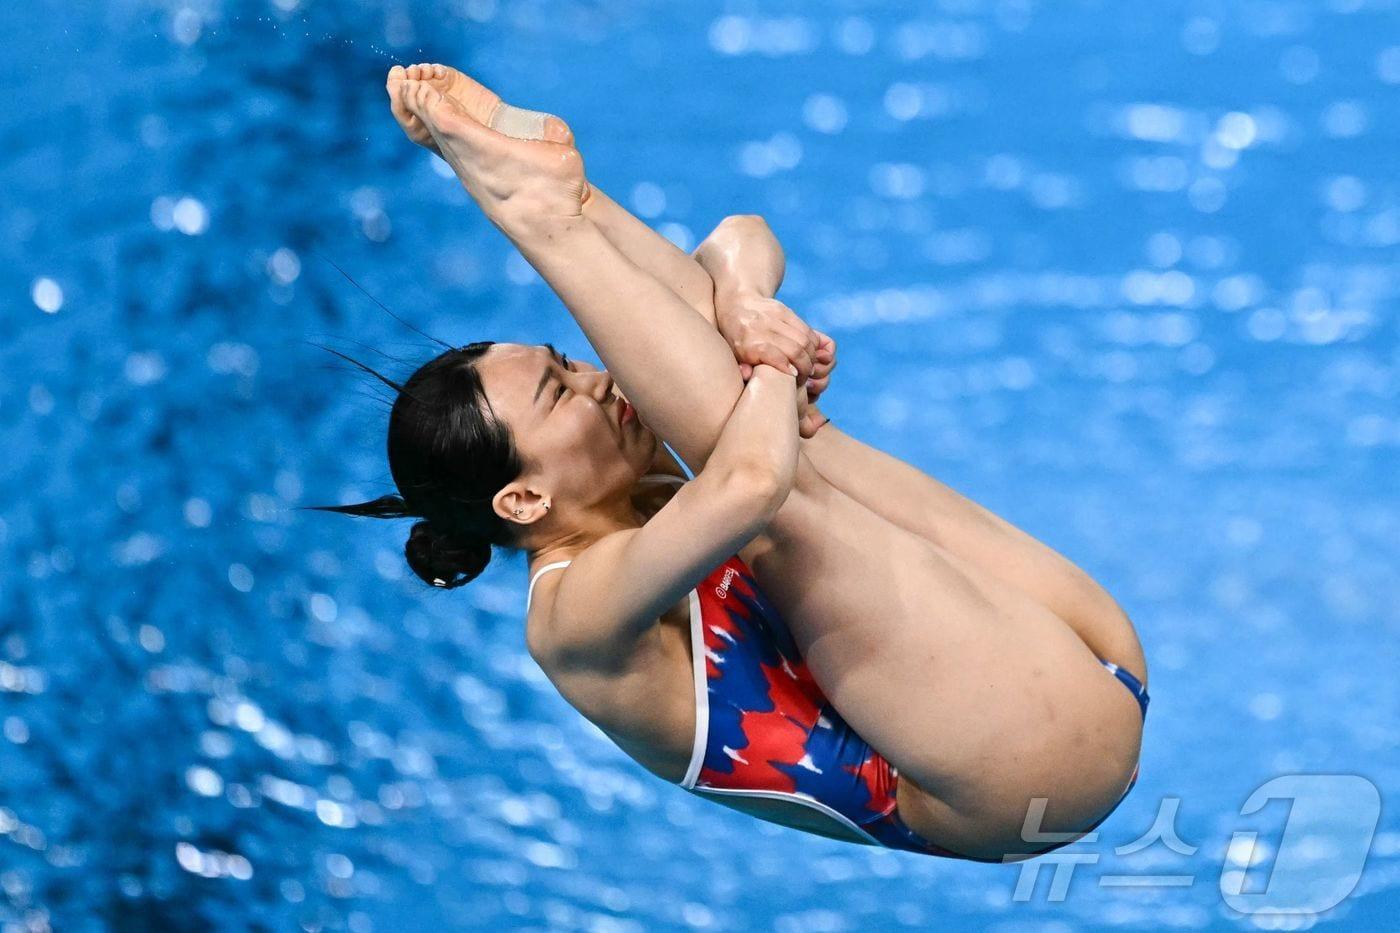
<point>1125,273</point>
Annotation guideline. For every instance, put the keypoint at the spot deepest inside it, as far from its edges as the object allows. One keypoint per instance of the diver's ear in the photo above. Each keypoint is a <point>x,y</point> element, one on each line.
<point>521,504</point>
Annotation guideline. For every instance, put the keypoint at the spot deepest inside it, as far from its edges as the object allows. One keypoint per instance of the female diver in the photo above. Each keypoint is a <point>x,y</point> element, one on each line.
<point>809,630</point>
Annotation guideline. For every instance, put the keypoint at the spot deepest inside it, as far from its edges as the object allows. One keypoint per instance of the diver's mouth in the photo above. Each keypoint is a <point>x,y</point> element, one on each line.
<point>622,410</point>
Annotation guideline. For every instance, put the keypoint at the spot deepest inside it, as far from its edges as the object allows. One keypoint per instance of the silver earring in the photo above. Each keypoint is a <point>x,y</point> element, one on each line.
<point>516,512</point>
<point>546,506</point>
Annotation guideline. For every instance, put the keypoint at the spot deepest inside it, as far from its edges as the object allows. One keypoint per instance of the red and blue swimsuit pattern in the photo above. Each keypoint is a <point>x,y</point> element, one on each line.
<point>765,729</point>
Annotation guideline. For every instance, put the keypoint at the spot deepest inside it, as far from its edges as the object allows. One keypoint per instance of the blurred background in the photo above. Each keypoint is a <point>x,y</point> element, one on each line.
<point>1125,273</point>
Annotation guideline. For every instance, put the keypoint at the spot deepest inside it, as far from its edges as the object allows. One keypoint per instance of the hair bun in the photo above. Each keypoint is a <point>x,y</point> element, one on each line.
<point>444,561</point>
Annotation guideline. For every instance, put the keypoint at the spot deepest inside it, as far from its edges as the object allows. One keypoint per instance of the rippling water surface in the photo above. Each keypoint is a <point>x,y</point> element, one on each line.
<point>1125,273</point>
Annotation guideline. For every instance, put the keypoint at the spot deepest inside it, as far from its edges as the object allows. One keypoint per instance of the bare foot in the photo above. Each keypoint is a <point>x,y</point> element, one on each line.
<point>513,179</point>
<point>480,102</point>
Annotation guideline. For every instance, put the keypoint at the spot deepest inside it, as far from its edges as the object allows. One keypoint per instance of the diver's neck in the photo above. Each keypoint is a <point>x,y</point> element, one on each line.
<point>571,538</point>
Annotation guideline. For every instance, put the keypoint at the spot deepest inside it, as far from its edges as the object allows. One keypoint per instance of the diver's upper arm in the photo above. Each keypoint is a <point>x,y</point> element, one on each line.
<point>617,589</point>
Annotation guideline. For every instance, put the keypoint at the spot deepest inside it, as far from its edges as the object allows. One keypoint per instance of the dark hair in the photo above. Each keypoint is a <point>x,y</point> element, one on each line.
<point>449,456</point>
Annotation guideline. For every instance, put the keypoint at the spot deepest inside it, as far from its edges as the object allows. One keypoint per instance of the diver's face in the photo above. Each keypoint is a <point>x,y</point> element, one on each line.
<point>566,418</point>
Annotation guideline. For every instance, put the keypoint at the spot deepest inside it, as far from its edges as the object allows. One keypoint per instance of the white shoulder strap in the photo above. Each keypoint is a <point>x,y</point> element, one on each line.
<point>539,573</point>
<point>648,478</point>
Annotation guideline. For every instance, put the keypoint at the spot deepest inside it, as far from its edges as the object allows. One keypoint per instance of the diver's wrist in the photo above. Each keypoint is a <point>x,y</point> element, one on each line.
<point>732,290</point>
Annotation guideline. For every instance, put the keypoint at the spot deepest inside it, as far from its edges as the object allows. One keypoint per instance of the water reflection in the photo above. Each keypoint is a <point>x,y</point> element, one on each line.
<point>1138,300</point>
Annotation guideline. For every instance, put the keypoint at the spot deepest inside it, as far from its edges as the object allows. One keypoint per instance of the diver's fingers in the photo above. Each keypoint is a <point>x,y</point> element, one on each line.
<point>765,352</point>
<point>796,353</point>
<point>787,319</point>
<point>798,335</point>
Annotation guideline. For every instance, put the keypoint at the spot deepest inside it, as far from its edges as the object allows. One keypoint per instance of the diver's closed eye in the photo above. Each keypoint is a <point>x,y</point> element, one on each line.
<point>570,367</point>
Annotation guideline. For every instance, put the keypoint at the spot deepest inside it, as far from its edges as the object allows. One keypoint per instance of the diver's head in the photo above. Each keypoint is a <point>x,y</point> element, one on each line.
<point>580,444</point>
<point>508,445</point>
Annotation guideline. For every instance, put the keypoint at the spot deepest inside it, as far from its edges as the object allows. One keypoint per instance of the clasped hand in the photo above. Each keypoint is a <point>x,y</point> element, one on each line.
<point>764,330</point>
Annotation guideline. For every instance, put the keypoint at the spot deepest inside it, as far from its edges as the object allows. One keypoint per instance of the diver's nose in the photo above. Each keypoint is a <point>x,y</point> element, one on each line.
<point>602,386</point>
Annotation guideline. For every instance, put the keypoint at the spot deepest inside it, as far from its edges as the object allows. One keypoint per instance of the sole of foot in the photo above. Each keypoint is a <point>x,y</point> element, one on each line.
<point>476,100</point>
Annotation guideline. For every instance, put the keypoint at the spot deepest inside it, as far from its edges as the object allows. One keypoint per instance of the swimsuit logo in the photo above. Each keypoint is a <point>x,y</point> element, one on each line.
<point>722,590</point>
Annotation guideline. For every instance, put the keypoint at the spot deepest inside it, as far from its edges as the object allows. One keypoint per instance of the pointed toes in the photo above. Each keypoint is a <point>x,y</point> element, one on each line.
<point>428,97</point>
<point>557,131</point>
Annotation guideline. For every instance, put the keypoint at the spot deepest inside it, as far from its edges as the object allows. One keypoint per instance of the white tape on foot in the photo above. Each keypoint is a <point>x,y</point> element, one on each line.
<point>518,122</point>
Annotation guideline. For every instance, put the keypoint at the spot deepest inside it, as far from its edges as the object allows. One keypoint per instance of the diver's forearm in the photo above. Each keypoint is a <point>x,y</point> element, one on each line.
<point>652,252</point>
<point>669,361</point>
<point>761,434</point>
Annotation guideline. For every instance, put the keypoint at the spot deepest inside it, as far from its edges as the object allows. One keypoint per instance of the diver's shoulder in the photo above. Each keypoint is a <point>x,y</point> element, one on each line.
<point>566,625</point>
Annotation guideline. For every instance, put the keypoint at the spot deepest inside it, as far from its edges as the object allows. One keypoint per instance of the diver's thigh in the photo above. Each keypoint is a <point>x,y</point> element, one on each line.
<point>962,682</point>
<point>917,502</point>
